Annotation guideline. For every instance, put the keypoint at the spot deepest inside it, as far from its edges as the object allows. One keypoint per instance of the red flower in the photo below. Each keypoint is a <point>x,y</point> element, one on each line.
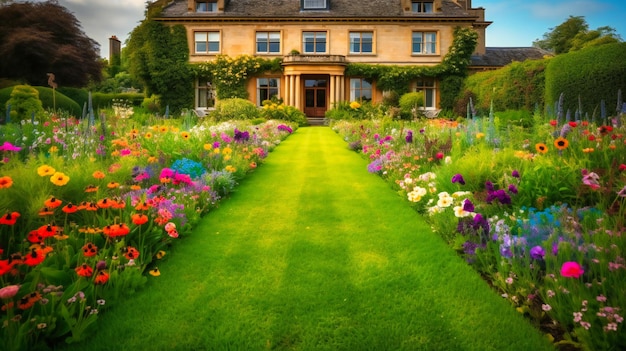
<point>139,218</point>
<point>5,267</point>
<point>52,203</point>
<point>622,167</point>
<point>84,270</point>
<point>104,203</point>
<point>9,218</point>
<point>573,124</point>
<point>46,231</point>
<point>28,301</point>
<point>553,122</point>
<point>439,155</point>
<point>131,253</point>
<point>585,123</point>
<point>90,250</point>
<point>69,208</point>
<point>101,277</point>
<point>591,137</point>
<point>34,257</point>
<point>34,237</point>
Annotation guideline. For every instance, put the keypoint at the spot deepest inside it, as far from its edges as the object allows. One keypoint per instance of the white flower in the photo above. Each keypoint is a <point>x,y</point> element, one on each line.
<point>460,212</point>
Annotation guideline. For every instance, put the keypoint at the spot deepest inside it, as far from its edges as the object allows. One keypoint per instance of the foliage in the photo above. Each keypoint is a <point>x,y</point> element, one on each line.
<point>37,38</point>
<point>230,74</point>
<point>587,78</point>
<point>519,118</point>
<point>519,85</point>
<point>449,90</point>
<point>410,104</point>
<point>104,100</point>
<point>234,109</point>
<point>397,78</point>
<point>24,103</point>
<point>574,34</point>
<point>152,46</point>
<point>61,101</point>
<point>273,109</point>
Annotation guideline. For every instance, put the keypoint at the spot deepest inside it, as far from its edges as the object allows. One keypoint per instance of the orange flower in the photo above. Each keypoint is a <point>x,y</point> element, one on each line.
<point>69,208</point>
<point>139,218</point>
<point>52,203</point>
<point>115,230</point>
<point>34,257</point>
<point>46,212</point>
<point>5,182</point>
<point>104,203</point>
<point>118,203</point>
<point>131,253</point>
<point>47,230</point>
<point>101,278</point>
<point>135,187</point>
<point>84,270</point>
<point>28,301</point>
<point>142,206</point>
<point>59,179</point>
<point>91,188</point>
<point>588,150</point>
<point>148,135</point>
<point>90,250</point>
<point>90,230</point>
<point>541,148</point>
<point>98,174</point>
<point>91,206</point>
<point>561,143</point>
<point>113,185</point>
<point>9,218</point>
<point>185,135</point>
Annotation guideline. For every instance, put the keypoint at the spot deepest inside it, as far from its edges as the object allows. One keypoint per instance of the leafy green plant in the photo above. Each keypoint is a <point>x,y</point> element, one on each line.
<point>24,103</point>
<point>234,109</point>
<point>410,104</point>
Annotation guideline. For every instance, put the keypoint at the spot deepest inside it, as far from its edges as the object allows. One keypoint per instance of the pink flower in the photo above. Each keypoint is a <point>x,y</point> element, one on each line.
<point>571,270</point>
<point>9,291</point>
<point>9,147</point>
<point>173,233</point>
<point>170,226</point>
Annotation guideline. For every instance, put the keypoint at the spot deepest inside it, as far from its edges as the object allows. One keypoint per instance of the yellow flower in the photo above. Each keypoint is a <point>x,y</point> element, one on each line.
<point>227,150</point>
<point>354,105</point>
<point>148,135</point>
<point>155,272</point>
<point>45,171</point>
<point>59,179</point>
<point>230,169</point>
<point>152,159</point>
<point>588,150</point>
<point>185,135</point>
<point>208,146</point>
<point>216,150</point>
<point>480,135</point>
<point>53,149</point>
<point>227,157</point>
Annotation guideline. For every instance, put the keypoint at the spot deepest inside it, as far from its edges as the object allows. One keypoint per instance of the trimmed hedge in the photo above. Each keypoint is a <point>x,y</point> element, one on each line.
<point>593,74</point>
<point>63,102</point>
<point>519,85</point>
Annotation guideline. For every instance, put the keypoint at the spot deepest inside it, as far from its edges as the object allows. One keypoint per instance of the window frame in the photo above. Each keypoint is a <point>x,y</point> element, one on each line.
<point>306,5</point>
<point>203,85</point>
<point>430,87</point>
<point>419,6</point>
<point>360,43</point>
<point>211,6</point>
<point>268,42</point>
<point>360,88</point>
<point>207,42</point>
<point>267,88</point>
<point>315,42</point>
<point>433,45</point>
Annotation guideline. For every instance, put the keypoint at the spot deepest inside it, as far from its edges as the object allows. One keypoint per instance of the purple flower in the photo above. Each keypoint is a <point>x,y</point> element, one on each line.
<point>489,186</point>
<point>457,178</point>
<point>241,136</point>
<point>512,189</point>
<point>216,145</point>
<point>409,137</point>
<point>468,205</point>
<point>515,173</point>
<point>537,253</point>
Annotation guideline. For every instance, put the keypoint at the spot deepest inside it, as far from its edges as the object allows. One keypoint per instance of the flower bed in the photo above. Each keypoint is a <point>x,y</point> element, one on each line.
<point>540,213</point>
<point>88,210</point>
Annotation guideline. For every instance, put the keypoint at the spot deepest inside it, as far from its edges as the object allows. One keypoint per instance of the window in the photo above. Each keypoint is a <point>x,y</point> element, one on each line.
<point>268,42</point>
<point>424,43</point>
<point>361,42</point>
<point>266,89</point>
<point>429,87</point>
<point>422,6</point>
<point>314,42</point>
<point>360,90</point>
<point>206,6</point>
<point>206,94</point>
<point>207,42</point>
<point>314,4</point>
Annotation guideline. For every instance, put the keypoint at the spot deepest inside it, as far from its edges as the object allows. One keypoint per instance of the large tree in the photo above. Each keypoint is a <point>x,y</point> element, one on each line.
<point>41,38</point>
<point>574,34</point>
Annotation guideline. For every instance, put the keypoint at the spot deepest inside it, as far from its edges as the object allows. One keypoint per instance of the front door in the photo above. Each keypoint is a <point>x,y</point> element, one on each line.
<point>315,96</point>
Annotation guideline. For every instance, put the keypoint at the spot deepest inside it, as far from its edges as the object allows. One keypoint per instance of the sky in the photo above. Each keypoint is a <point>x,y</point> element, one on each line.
<point>516,23</point>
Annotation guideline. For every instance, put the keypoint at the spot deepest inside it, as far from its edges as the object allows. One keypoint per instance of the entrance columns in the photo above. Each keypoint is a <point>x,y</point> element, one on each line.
<point>298,93</point>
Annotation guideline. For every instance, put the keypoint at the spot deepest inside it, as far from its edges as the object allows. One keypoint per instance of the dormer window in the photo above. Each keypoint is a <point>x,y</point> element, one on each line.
<point>422,6</point>
<point>206,6</point>
<point>315,4</point>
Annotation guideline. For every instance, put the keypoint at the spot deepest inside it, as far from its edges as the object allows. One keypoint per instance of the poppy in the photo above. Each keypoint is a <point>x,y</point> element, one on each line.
<point>104,203</point>
<point>91,189</point>
<point>541,148</point>
<point>139,218</point>
<point>52,202</point>
<point>159,255</point>
<point>9,218</point>
<point>101,277</point>
<point>553,122</point>
<point>34,257</point>
<point>46,212</point>
<point>28,301</point>
<point>69,208</point>
<point>118,203</point>
<point>155,272</point>
<point>59,179</point>
<point>34,236</point>
<point>561,143</point>
<point>84,270</point>
<point>591,137</point>
<point>622,167</point>
<point>131,253</point>
<point>47,230</point>
<point>45,171</point>
<point>113,185</point>
<point>573,124</point>
<point>605,129</point>
<point>90,250</point>
<point>5,182</point>
<point>5,267</point>
<point>91,206</point>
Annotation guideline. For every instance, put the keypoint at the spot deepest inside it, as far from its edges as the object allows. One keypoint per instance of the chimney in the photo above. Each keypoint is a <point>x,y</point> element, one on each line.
<point>115,50</point>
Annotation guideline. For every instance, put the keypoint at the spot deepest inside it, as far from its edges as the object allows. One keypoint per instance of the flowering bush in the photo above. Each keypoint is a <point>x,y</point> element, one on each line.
<point>87,210</point>
<point>539,212</point>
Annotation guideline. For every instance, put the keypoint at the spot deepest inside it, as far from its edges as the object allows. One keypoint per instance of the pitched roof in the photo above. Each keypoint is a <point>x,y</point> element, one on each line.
<point>502,56</point>
<point>291,9</point>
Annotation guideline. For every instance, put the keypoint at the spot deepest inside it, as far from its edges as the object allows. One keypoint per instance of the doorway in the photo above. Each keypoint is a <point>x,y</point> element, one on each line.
<point>315,96</point>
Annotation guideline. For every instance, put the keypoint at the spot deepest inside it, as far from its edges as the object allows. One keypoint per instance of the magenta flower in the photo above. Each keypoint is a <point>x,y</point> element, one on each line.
<point>457,178</point>
<point>515,173</point>
<point>571,269</point>
<point>9,147</point>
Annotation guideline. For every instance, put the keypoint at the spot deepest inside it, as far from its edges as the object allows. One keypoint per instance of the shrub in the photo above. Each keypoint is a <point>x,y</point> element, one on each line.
<point>151,104</point>
<point>410,104</point>
<point>54,99</point>
<point>24,102</point>
<point>277,110</point>
<point>234,109</point>
<point>521,118</point>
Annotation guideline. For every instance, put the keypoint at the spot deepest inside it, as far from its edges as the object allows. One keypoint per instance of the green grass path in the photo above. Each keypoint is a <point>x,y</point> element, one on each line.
<point>314,253</point>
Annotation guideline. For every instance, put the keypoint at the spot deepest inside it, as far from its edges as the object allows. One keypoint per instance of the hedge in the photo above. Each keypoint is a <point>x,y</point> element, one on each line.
<point>593,74</point>
<point>63,103</point>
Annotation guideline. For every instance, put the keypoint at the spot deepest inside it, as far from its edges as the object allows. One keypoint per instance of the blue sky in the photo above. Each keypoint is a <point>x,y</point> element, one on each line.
<point>515,22</point>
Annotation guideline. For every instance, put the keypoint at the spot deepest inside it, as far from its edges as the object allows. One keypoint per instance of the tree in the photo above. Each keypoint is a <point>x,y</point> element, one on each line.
<point>574,34</point>
<point>41,38</point>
